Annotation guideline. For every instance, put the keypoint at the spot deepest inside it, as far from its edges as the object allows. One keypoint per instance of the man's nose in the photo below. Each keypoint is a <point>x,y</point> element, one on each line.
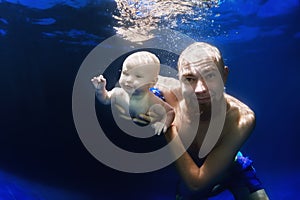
<point>201,87</point>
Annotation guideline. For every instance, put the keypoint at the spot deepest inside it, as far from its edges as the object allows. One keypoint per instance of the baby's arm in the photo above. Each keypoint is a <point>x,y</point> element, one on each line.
<point>102,94</point>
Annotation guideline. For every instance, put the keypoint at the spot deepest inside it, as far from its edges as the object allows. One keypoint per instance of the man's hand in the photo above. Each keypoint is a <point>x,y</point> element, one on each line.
<point>150,117</point>
<point>121,112</point>
<point>156,120</point>
<point>159,128</point>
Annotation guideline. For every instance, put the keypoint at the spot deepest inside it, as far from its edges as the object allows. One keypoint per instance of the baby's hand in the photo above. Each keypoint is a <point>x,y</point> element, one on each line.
<point>159,127</point>
<point>99,82</point>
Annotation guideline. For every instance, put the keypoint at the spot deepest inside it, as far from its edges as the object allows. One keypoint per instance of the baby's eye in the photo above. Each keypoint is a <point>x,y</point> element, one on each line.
<point>125,73</point>
<point>139,76</point>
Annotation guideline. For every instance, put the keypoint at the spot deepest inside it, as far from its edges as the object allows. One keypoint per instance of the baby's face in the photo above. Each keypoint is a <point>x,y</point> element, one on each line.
<point>137,77</point>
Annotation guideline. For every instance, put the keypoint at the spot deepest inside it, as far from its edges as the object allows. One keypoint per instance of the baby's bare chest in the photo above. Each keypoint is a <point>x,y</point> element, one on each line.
<point>138,106</point>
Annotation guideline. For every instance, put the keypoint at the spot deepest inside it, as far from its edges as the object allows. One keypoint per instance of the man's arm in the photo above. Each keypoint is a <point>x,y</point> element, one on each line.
<point>164,112</point>
<point>216,163</point>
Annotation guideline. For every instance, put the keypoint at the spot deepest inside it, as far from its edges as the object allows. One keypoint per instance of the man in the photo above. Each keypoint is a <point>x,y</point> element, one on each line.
<point>211,163</point>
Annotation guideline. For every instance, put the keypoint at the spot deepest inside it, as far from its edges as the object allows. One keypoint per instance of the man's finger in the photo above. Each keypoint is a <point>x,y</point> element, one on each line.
<point>140,121</point>
<point>124,117</point>
<point>151,117</point>
<point>120,108</point>
<point>145,117</point>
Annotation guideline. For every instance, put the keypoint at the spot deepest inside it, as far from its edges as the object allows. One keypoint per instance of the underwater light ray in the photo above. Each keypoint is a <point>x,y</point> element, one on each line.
<point>140,18</point>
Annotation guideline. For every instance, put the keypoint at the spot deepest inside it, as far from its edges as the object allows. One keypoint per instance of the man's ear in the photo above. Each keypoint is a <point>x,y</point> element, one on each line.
<point>225,74</point>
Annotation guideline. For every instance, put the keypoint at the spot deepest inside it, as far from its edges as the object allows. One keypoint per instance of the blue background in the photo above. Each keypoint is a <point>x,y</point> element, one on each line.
<point>42,45</point>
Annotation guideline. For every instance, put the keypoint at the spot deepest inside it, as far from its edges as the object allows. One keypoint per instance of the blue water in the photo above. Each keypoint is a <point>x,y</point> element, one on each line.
<point>42,45</point>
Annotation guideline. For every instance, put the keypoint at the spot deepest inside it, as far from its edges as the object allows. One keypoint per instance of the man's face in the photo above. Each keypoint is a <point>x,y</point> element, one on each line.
<point>203,79</point>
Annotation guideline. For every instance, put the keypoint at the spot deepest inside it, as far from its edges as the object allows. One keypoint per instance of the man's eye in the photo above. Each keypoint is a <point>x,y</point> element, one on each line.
<point>188,79</point>
<point>209,76</point>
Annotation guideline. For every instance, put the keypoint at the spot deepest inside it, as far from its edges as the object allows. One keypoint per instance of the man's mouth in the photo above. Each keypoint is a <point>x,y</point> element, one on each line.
<point>203,99</point>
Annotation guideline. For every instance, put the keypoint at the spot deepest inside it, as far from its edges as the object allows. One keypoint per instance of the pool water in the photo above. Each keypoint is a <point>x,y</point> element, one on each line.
<point>43,44</point>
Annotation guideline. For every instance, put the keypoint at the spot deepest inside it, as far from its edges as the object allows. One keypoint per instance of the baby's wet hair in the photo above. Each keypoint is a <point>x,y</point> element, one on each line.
<point>142,59</point>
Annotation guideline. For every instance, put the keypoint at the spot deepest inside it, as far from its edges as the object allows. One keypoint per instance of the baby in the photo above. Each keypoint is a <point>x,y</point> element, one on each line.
<point>137,94</point>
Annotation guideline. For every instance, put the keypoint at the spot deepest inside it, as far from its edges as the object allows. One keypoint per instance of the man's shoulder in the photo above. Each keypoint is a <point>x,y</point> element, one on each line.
<point>240,113</point>
<point>240,121</point>
<point>170,88</point>
<point>168,82</point>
